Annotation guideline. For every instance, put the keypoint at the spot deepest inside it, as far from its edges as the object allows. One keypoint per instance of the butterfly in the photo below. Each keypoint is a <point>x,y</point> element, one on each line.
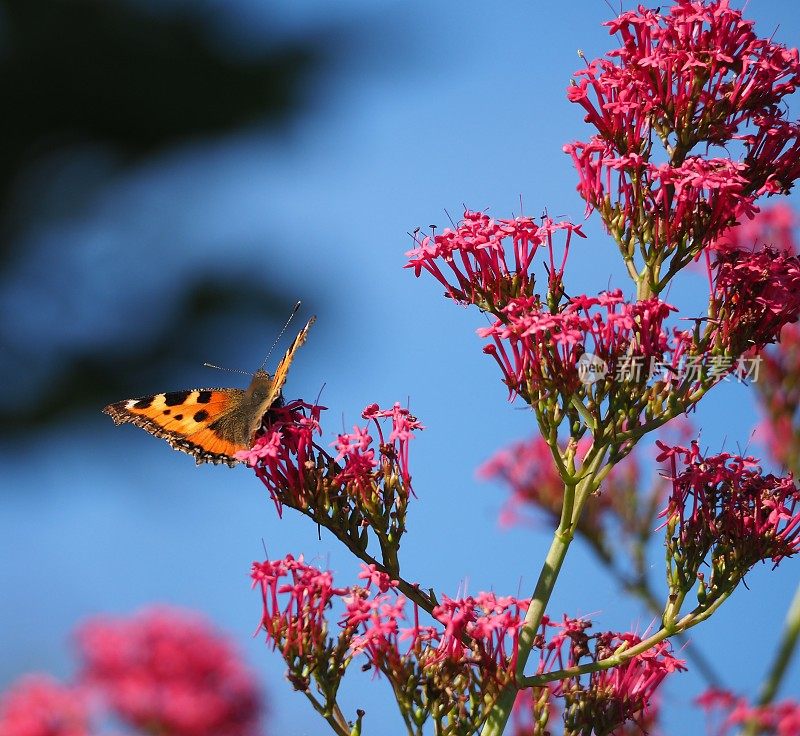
<point>212,424</point>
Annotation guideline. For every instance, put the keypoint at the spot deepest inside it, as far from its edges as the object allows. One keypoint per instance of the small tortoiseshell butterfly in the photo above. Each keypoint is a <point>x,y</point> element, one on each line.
<point>212,424</point>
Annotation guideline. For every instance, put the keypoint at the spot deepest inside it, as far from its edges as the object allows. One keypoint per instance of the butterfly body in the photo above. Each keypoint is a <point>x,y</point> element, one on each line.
<point>211,424</point>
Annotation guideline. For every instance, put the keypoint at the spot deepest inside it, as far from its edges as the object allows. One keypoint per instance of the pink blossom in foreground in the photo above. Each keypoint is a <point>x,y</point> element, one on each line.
<point>38,705</point>
<point>169,672</point>
<point>662,59</point>
<point>283,455</point>
<point>606,700</point>
<point>539,351</point>
<point>295,598</point>
<point>467,651</point>
<point>369,464</point>
<point>491,622</point>
<point>723,503</point>
<point>487,262</point>
<point>667,196</point>
<point>727,714</point>
<point>696,80</point>
<point>360,462</point>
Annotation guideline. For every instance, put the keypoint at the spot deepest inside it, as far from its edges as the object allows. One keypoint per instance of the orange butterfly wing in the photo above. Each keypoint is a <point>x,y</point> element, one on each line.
<point>210,424</point>
<point>183,419</point>
<point>279,377</point>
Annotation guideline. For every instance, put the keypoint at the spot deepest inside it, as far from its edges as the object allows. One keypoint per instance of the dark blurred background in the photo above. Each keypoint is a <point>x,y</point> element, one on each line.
<point>96,94</point>
<point>174,175</point>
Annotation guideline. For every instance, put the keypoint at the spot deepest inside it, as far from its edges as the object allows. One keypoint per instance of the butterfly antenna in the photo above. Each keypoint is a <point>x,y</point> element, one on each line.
<point>280,334</point>
<point>230,370</point>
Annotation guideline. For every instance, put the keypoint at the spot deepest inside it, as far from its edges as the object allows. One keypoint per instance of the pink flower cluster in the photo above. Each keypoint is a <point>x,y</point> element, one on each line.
<point>357,451</point>
<point>664,57</point>
<point>607,701</point>
<point>779,393</point>
<point>771,230</point>
<point>296,598</point>
<point>298,472</point>
<point>695,75</point>
<point>537,349</point>
<point>38,705</point>
<point>728,713</point>
<point>697,198</point>
<point>471,643</point>
<point>284,452</point>
<point>487,262</point>
<point>723,505</point>
<point>756,294</point>
<point>170,672</point>
<point>297,625</point>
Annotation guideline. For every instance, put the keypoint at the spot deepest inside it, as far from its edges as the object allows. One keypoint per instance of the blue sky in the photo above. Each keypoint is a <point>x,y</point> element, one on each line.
<point>433,105</point>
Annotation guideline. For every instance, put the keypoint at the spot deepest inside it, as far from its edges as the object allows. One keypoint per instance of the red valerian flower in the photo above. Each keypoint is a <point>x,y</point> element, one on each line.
<point>299,473</point>
<point>168,671</point>
<point>771,226</point>
<point>608,699</point>
<point>698,80</point>
<point>283,455</point>
<point>487,262</point>
<point>727,713</point>
<point>451,669</point>
<point>722,507</point>
<point>700,68</point>
<point>755,295</point>
<point>38,705</point>
<point>355,449</point>
<point>296,626</point>
<point>539,350</point>
<point>668,196</point>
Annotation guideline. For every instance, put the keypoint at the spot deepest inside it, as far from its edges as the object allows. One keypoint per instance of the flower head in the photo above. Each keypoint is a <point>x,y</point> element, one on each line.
<point>538,350</point>
<point>608,699</point>
<point>728,713</point>
<point>488,262</point>
<point>756,294</point>
<point>451,669</point>
<point>170,671</point>
<point>697,82</point>
<point>362,468</point>
<point>38,705</point>
<point>722,511</point>
<point>284,453</point>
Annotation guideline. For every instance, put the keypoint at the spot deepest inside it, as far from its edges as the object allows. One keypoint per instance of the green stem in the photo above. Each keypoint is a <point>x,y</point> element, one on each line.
<point>786,648</point>
<point>335,720</point>
<point>574,498</point>
<point>624,653</point>
<point>500,713</point>
<point>640,588</point>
